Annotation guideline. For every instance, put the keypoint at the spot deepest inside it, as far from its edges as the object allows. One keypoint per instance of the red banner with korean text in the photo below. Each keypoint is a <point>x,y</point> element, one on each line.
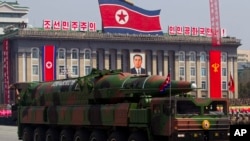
<point>215,74</point>
<point>49,63</point>
<point>6,73</point>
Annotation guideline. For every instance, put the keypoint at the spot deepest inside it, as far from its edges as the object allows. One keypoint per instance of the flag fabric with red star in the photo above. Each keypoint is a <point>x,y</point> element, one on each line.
<point>231,84</point>
<point>119,16</point>
<point>49,62</point>
<point>165,84</point>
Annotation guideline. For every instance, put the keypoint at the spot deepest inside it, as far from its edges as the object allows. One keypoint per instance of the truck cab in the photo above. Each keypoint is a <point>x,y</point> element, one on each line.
<point>186,118</point>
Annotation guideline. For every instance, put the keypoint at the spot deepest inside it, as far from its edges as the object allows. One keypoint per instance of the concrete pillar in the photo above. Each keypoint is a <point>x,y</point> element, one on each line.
<point>165,63</point>
<point>187,67</point>
<point>118,60</point>
<point>23,61</point>
<point>198,75</point>
<point>154,63</point>
<point>235,76</point>
<point>106,59</point>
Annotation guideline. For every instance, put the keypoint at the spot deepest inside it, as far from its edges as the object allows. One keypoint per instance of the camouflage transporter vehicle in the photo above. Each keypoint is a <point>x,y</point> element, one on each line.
<point>117,106</point>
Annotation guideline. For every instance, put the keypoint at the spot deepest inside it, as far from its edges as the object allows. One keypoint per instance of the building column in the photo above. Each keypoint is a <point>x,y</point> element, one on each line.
<point>23,67</point>
<point>118,60</point>
<point>235,76</point>
<point>198,75</point>
<point>165,63</point>
<point>187,67</point>
<point>208,76</point>
<point>154,62</point>
<point>229,71</point>
<point>148,62</point>
<point>94,58</point>
<point>176,70</point>
<point>106,59</point>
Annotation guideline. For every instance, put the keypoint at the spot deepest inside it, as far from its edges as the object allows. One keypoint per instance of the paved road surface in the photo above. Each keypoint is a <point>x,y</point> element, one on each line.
<point>8,133</point>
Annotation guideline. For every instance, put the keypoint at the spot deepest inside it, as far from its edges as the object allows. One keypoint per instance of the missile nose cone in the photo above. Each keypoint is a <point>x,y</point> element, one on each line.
<point>193,86</point>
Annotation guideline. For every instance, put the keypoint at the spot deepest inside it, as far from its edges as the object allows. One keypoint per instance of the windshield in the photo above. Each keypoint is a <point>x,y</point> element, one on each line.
<point>187,107</point>
<point>215,108</point>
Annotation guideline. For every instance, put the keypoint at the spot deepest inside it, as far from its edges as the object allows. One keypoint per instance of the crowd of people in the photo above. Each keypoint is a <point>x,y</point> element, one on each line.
<point>239,111</point>
<point>240,102</point>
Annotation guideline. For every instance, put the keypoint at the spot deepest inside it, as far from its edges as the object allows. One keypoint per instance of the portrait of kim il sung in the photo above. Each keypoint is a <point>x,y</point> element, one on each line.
<point>137,63</point>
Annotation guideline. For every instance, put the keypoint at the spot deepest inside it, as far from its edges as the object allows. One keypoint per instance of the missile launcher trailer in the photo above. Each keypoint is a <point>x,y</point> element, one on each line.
<point>116,106</point>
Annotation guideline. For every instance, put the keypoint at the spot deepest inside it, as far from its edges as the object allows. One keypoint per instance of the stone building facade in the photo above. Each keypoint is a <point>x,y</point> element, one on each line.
<point>184,57</point>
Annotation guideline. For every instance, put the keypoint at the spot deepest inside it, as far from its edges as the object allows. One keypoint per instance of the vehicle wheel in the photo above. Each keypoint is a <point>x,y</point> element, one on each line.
<point>39,134</point>
<point>81,135</point>
<point>98,136</point>
<point>27,134</point>
<point>52,135</point>
<point>138,136</point>
<point>117,136</point>
<point>66,135</point>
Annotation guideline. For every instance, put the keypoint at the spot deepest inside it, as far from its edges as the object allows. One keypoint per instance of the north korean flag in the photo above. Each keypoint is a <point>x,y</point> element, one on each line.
<point>49,63</point>
<point>165,84</point>
<point>119,16</point>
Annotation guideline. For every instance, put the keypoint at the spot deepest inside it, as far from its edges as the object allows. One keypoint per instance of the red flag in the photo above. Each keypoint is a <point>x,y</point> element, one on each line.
<point>49,68</point>
<point>215,74</point>
<point>231,84</point>
<point>119,16</point>
<point>165,84</point>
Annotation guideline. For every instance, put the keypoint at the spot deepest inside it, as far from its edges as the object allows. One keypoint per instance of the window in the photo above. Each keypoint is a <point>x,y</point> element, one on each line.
<point>192,57</point>
<point>192,71</point>
<point>181,56</point>
<point>203,57</point>
<point>35,69</point>
<point>61,53</point>
<point>74,54</point>
<point>182,71</point>
<point>62,70</point>
<point>203,85</point>
<point>74,70</point>
<point>87,70</point>
<point>203,72</point>
<point>217,108</point>
<point>34,53</point>
<point>87,54</point>
<point>224,58</point>
<point>224,72</point>
<point>224,85</point>
<point>187,107</point>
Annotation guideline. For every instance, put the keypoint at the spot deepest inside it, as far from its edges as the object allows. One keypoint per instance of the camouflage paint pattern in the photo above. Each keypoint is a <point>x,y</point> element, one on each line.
<point>111,100</point>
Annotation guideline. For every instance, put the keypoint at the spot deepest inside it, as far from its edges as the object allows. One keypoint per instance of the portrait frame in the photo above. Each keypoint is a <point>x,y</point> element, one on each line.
<point>142,54</point>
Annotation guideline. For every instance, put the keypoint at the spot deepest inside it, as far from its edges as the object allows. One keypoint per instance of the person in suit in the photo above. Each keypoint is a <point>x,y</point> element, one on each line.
<point>137,69</point>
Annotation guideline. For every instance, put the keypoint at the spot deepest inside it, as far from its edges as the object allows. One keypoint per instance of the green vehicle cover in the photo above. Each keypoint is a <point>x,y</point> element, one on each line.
<point>116,106</point>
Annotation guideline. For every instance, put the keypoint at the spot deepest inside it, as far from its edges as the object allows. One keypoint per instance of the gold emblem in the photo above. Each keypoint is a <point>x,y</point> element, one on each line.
<point>205,124</point>
<point>215,66</point>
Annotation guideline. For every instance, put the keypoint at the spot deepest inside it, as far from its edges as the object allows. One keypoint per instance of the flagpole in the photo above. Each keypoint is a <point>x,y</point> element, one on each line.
<point>170,103</point>
<point>230,82</point>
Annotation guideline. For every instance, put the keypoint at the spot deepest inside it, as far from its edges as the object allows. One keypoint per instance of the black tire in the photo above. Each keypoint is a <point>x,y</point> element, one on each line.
<point>66,135</point>
<point>138,136</point>
<point>52,135</point>
<point>117,136</point>
<point>27,134</point>
<point>39,134</point>
<point>81,135</point>
<point>98,136</point>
